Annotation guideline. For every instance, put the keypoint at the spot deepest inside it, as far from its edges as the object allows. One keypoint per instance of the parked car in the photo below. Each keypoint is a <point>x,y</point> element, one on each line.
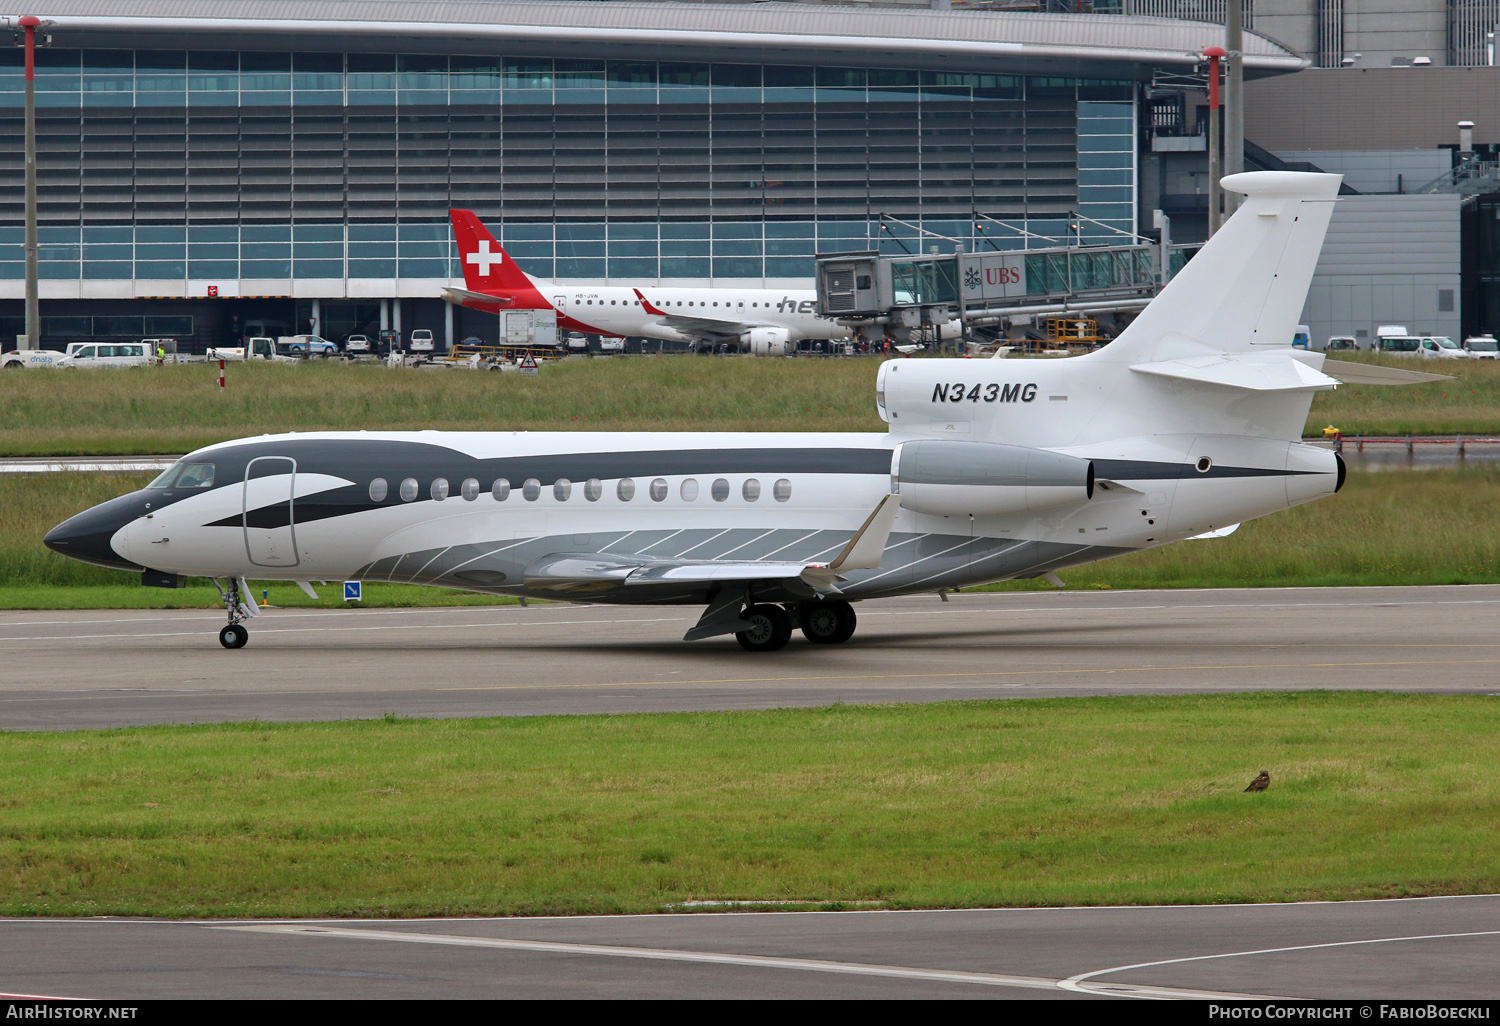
<point>357,344</point>
<point>1341,344</point>
<point>1398,345</point>
<point>1441,347</point>
<point>422,341</point>
<point>1482,347</point>
<point>309,345</point>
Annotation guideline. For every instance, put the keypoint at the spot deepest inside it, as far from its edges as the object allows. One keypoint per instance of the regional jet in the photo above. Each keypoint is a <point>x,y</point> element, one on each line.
<point>765,322</point>
<point>1189,423</point>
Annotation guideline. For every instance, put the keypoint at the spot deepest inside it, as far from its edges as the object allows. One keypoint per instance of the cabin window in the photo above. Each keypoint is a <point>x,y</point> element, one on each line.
<point>531,490</point>
<point>500,489</point>
<point>720,490</point>
<point>782,490</point>
<point>689,489</point>
<point>658,489</point>
<point>562,489</point>
<point>469,489</point>
<point>409,489</point>
<point>751,489</point>
<point>439,490</point>
<point>378,490</point>
<point>625,489</point>
<point>593,489</point>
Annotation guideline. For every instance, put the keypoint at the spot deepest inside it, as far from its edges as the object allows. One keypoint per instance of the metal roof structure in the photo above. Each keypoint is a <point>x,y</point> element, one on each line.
<point>1092,46</point>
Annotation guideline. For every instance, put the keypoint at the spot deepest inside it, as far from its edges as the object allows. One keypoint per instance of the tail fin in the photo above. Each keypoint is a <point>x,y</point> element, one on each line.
<point>1245,290</point>
<point>487,267</point>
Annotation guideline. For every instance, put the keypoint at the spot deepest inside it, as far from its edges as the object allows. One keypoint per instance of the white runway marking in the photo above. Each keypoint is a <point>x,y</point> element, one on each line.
<point>722,958</point>
<point>1077,982</point>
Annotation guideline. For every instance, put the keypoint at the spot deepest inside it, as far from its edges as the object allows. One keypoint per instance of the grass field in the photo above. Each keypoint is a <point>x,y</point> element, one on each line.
<point>1036,802</point>
<point>176,409</point>
<point>1391,527</point>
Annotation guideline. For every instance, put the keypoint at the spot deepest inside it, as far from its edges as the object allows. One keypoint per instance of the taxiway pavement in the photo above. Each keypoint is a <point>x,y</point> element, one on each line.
<point>100,668</point>
<point>1432,948</point>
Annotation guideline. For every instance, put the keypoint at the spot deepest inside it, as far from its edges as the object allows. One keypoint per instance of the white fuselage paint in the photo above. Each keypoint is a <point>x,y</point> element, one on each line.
<point>614,310</point>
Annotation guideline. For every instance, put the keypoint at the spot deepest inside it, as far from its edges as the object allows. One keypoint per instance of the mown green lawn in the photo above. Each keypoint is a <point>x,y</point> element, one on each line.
<point>174,409</point>
<point>1037,802</point>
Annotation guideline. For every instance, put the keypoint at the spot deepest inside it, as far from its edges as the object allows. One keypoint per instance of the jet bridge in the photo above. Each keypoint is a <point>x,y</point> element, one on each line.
<point>892,296</point>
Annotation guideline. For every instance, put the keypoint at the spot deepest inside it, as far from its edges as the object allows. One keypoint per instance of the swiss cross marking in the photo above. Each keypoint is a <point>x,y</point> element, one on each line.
<point>482,258</point>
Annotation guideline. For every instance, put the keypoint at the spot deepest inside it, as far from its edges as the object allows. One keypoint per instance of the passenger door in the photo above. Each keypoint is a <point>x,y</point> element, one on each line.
<point>269,511</point>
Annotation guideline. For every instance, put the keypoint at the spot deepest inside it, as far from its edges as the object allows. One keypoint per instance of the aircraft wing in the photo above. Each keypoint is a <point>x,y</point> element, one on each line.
<point>463,297</point>
<point>707,328</point>
<point>594,572</point>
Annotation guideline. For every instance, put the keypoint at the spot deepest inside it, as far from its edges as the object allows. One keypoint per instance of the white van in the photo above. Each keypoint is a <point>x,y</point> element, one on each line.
<point>1482,347</point>
<point>117,354</point>
<point>422,341</point>
<point>1441,347</point>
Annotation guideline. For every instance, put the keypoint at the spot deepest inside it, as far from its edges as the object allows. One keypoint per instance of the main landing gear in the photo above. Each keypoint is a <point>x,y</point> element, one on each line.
<point>235,596</point>
<point>822,623</point>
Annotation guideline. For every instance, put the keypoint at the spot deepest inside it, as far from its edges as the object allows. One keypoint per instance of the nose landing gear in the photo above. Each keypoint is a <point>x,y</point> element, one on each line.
<point>239,607</point>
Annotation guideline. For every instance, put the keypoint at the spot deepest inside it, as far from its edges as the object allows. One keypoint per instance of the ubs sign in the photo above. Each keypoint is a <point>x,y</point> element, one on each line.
<point>992,276</point>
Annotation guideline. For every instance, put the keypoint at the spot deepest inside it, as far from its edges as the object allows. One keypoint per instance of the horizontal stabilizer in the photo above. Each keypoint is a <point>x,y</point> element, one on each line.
<point>1373,374</point>
<point>1256,372</point>
<point>463,297</point>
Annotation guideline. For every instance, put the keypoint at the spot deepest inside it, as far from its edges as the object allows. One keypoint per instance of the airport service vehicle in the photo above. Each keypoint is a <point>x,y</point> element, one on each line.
<point>119,354</point>
<point>1187,424</point>
<point>766,322</point>
<point>1482,347</point>
<point>422,341</point>
<point>1302,337</point>
<point>21,358</point>
<point>306,345</point>
<point>1341,344</point>
<point>356,344</point>
<point>1440,347</point>
<point>253,349</point>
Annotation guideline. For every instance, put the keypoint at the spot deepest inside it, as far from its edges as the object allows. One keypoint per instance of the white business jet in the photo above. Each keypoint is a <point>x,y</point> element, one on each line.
<point>765,322</point>
<point>1186,425</point>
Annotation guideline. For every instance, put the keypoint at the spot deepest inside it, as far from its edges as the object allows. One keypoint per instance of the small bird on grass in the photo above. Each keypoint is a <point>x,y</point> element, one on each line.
<point>1261,782</point>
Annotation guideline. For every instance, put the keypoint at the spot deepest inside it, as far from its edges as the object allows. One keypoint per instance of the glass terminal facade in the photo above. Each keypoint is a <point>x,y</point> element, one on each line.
<point>331,174</point>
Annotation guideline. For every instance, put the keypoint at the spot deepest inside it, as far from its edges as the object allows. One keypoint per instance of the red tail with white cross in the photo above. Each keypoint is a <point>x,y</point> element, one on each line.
<point>487,267</point>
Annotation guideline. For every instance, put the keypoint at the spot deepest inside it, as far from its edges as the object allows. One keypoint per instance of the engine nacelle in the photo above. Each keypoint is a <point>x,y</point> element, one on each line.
<point>949,478</point>
<point>767,341</point>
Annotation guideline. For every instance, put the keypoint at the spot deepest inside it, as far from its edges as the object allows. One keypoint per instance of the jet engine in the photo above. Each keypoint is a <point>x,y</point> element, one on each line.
<point>767,341</point>
<point>949,478</point>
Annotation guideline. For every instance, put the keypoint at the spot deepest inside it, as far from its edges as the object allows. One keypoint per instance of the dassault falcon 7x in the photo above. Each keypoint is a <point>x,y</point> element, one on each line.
<point>765,322</point>
<point>1184,426</point>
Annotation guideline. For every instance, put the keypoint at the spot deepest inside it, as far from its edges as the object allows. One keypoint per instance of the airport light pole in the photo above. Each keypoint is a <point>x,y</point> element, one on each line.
<point>30,24</point>
<point>1214,55</point>
<point>1234,96</point>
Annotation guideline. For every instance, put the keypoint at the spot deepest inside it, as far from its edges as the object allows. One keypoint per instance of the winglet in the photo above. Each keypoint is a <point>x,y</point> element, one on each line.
<point>864,550</point>
<point>646,305</point>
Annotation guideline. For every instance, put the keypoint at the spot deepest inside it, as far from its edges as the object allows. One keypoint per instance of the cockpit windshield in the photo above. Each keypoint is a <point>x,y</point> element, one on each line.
<point>185,475</point>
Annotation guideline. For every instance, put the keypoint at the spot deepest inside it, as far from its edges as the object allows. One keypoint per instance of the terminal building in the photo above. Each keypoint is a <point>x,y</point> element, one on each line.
<point>210,170</point>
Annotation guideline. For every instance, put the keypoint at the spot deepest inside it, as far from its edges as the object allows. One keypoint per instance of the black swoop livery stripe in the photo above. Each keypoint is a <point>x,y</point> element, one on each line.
<point>362,460</point>
<point>1150,470</point>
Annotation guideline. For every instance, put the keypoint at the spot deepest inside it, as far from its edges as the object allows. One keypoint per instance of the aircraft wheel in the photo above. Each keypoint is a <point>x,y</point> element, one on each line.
<point>234,636</point>
<point>770,629</point>
<point>828,623</point>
